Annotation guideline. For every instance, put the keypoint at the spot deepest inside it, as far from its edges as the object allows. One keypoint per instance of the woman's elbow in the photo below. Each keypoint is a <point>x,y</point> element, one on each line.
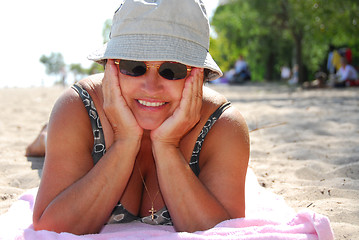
<point>37,223</point>
<point>202,225</point>
<point>59,227</point>
<point>40,225</point>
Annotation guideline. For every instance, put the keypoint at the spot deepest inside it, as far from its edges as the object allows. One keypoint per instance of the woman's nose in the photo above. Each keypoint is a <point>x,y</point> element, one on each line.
<point>152,82</point>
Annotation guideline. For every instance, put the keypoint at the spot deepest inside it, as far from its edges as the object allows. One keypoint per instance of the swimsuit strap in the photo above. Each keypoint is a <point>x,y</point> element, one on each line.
<point>99,147</point>
<point>194,162</point>
<point>120,214</point>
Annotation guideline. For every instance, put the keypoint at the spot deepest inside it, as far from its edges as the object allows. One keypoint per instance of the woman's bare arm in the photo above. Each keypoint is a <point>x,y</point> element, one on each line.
<point>75,196</point>
<point>218,194</point>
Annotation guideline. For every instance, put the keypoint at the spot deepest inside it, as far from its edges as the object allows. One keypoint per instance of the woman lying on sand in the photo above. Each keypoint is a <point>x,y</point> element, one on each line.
<point>145,141</point>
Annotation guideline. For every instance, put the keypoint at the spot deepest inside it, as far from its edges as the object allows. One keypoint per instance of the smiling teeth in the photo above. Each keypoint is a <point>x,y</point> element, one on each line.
<point>151,104</point>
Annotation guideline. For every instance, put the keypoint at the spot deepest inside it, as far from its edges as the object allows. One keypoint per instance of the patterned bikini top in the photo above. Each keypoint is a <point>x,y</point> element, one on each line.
<point>119,213</point>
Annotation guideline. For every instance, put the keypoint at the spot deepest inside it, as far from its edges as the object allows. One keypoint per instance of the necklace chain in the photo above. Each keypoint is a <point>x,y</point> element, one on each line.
<point>152,210</point>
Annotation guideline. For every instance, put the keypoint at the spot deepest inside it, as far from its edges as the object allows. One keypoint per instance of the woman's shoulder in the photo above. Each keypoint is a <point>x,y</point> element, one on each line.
<point>70,106</point>
<point>212,97</point>
<point>212,100</point>
<point>231,122</point>
<point>92,84</point>
<point>225,151</point>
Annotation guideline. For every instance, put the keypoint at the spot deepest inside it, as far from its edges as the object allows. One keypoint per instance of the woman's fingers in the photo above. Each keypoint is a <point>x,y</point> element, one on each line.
<point>198,92</point>
<point>192,93</point>
<point>187,113</point>
<point>195,95</point>
<point>123,122</point>
<point>110,82</point>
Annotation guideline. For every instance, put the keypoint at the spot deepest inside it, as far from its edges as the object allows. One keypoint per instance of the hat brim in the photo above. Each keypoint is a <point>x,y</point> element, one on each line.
<point>158,48</point>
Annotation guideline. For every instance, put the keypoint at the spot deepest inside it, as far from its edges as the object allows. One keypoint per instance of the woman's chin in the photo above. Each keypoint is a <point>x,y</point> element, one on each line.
<point>149,126</point>
<point>150,122</point>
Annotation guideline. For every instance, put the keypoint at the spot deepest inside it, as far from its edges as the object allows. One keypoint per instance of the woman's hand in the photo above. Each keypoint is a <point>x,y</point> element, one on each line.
<point>120,116</point>
<point>187,114</point>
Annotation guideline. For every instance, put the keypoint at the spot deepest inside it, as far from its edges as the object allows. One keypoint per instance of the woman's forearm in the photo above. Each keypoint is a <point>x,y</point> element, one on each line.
<point>84,206</point>
<point>191,205</point>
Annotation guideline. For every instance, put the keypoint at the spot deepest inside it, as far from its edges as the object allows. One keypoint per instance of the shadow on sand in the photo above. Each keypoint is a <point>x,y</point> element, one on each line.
<point>37,163</point>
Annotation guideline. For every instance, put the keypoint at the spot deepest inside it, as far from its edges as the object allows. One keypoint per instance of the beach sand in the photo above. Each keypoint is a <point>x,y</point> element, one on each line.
<point>304,145</point>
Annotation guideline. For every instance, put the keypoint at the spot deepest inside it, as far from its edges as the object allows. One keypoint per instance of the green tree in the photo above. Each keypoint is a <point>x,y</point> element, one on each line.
<point>241,30</point>
<point>337,23</point>
<point>106,31</point>
<point>95,68</point>
<point>277,32</point>
<point>55,65</point>
<point>77,70</point>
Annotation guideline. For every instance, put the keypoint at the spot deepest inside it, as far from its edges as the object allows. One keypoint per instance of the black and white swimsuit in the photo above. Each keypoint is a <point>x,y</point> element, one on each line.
<point>119,213</point>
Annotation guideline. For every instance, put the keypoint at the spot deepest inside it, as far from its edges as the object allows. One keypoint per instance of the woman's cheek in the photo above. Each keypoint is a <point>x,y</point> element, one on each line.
<point>125,87</point>
<point>179,90</point>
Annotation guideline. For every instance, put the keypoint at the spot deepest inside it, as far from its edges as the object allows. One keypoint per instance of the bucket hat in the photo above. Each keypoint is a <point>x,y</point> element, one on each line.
<point>160,30</point>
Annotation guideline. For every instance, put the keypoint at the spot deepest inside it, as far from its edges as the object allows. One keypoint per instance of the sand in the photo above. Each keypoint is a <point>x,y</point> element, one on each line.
<point>304,145</point>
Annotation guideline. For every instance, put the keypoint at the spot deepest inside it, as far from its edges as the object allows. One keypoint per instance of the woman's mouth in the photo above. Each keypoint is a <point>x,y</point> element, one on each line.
<point>151,104</point>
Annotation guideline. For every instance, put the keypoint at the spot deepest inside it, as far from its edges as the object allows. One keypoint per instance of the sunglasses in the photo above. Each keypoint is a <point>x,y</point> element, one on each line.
<point>167,70</point>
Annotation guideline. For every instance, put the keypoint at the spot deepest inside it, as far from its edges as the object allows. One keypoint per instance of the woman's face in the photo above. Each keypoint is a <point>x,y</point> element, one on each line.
<point>151,97</point>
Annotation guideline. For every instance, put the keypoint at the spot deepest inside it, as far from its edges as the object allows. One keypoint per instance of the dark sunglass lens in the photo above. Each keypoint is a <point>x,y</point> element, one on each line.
<point>139,70</point>
<point>132,68</point>
<point>167,73</point>
<point>173,71</point>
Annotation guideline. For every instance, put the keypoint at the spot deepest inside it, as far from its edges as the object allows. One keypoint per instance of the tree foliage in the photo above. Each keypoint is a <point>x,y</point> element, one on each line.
<point>274,33</point>
<point>77,70</point>
<point>106,31</point>
<point>54,63</point>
